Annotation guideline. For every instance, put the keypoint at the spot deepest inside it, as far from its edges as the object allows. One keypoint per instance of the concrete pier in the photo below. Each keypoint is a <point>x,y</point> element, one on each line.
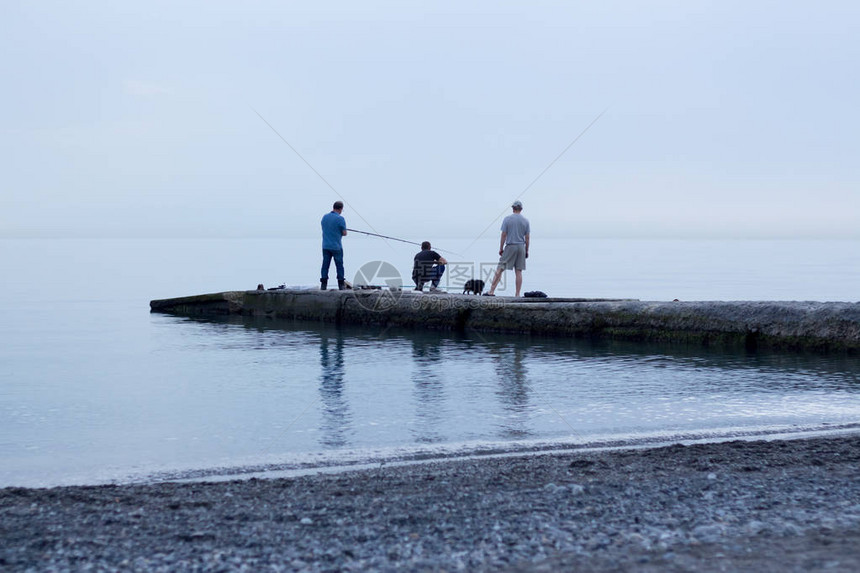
<point>818,326</point>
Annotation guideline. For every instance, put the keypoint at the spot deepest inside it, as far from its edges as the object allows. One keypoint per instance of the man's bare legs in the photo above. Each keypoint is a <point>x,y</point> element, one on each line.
<point>498,277</point>
<point>496,280</point>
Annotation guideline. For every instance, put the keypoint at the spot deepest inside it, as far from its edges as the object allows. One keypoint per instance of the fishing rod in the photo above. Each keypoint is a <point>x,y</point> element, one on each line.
<point>384,237</point>
<point>396,239</point>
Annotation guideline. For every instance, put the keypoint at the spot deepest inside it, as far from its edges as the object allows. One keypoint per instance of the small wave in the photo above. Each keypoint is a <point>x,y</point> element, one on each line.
<point>356,460</point>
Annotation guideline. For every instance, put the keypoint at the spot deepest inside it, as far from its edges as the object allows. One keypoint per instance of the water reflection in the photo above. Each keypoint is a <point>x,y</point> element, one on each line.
<point>514,391</point>
<point>428,390</point>
<point>336,415</point>
<point>395,387</point>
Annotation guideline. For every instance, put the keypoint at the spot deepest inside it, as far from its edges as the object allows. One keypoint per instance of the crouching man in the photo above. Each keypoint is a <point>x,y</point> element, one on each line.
<point>429,267</point>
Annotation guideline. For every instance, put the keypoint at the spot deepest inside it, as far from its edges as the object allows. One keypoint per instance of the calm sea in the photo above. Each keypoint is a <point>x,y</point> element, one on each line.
<point>95,389</point>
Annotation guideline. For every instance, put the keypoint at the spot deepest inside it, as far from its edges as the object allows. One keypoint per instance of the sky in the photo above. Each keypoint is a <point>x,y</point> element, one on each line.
<point>725,119</point>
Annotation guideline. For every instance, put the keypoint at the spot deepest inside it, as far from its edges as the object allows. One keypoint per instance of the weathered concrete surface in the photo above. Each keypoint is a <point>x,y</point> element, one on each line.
<point>788,325</point>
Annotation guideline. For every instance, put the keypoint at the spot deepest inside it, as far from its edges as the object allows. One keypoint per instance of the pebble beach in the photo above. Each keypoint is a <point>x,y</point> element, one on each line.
<point>781,505</point>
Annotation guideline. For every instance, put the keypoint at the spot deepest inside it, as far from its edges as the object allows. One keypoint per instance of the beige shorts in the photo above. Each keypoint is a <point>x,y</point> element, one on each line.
<point>513,257</point>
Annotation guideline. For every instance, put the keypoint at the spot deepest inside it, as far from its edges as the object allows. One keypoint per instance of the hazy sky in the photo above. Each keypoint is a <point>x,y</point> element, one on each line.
<point>725,118</point>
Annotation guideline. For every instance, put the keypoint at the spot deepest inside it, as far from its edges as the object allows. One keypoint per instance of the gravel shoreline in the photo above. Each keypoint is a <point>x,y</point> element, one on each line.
<point>789,505</point>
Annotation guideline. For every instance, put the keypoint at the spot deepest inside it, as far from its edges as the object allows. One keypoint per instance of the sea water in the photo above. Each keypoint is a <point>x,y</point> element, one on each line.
<point>95,389</point>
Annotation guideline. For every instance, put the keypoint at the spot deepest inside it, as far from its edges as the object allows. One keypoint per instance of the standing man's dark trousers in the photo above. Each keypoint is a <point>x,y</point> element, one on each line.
<point>328,255</point>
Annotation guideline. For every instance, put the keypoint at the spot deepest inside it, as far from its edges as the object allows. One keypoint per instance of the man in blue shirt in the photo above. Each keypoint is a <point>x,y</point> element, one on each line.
<point>333,230</point>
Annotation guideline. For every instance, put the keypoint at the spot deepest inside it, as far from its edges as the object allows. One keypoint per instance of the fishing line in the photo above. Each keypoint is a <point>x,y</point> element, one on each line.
<point>551,163</point>
<point>337,192</point>
<point>296,151</point>
<point>284,431</point>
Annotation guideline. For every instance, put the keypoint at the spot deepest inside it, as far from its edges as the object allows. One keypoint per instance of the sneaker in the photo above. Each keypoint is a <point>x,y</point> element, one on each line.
<point>434,289</point>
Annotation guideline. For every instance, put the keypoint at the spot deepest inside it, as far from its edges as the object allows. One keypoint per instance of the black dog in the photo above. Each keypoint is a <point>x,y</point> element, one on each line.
<point>475,286</point>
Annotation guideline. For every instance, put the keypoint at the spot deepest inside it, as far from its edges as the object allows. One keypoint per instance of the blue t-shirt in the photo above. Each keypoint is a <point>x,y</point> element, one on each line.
<point>333,226</point>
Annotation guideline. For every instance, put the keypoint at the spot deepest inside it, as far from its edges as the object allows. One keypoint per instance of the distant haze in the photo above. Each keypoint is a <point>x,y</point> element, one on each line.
<point>722,119</point>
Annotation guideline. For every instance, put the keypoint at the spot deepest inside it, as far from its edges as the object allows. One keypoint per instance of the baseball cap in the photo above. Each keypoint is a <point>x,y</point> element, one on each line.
<point>517,205</point>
